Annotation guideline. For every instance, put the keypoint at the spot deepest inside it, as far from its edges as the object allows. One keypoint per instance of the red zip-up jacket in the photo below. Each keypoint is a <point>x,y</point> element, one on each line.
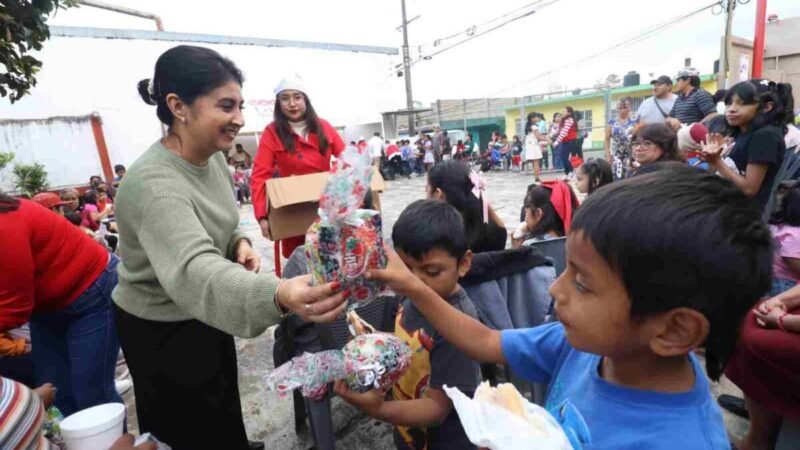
<point>306,159</point>
<point>46,263</point>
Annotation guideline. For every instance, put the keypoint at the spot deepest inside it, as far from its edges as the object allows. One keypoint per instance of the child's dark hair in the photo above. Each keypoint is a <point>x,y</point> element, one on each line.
<point>118,168</point>
<point>8,203</point>
<point>426,225</point>
<point>453,178</point>
<point>664,137</point>
<point>188,72</point>
<point>718,125</point>
<point>538,197</point>
<point>73,218</point>
<point>90,197</point>
<point>762,92</point>
<point>531,121</point>
<point>680,238</point>
<point>789,211</point>
<point>719,96</point>
<point>598,171</point>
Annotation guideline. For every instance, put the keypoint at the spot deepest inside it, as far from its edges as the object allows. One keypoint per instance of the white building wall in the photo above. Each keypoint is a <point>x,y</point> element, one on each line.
<point>81,76</point>
<point>66,148</point>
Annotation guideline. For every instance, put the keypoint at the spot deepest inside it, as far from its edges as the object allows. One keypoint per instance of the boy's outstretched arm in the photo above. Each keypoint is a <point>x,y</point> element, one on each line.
<point>429,411</point>
<point>475,339</point>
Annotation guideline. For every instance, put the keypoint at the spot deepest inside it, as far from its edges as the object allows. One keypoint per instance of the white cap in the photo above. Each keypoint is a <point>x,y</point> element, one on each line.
<point>688,72</point>
<point>294,82</point>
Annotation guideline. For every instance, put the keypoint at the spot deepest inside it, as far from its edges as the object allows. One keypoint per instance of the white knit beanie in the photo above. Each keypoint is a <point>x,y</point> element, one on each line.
<point>294,82</point>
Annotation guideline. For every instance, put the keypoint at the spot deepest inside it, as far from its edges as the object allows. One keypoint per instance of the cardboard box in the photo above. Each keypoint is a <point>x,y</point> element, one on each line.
<point>294,201</point>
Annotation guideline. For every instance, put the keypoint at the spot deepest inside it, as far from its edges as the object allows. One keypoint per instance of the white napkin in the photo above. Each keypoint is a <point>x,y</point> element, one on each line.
<point>496,428</point>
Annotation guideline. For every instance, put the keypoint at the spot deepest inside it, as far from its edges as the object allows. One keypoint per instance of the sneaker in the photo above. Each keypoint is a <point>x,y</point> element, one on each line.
<point>123,386</point>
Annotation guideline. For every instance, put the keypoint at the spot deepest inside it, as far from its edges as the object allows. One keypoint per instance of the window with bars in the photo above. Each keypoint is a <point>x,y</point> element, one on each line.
<point>636,102</point>
<point>586,121</point>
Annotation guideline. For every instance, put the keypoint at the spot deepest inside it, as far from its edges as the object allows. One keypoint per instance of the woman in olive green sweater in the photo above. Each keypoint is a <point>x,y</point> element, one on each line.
<point>189,278</point>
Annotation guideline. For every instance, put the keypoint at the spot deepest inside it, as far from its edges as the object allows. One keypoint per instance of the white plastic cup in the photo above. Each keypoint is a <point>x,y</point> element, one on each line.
<point>96,428</point>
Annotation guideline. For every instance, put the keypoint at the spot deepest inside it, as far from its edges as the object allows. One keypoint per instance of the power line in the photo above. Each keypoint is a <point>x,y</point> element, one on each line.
<point>472,29</point>
<point>476,35</point>
<point>622,44</point>
<point>471,32</point>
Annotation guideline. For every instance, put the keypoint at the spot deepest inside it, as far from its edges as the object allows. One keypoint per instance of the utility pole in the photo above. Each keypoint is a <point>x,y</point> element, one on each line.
<point>725,70</point>
<point>407,73</point>
<point>758,42</point>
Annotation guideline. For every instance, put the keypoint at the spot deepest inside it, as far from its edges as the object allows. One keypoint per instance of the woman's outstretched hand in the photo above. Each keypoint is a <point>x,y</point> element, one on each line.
<point>312,303</point>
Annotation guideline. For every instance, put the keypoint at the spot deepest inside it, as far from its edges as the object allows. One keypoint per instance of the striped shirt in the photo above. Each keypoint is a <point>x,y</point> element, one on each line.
<point>568,131</point>
<point>695,106</point>
<point>21,418</point>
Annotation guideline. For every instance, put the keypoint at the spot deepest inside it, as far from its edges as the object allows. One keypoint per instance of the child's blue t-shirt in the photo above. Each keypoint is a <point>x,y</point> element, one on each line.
<point>619,418</point>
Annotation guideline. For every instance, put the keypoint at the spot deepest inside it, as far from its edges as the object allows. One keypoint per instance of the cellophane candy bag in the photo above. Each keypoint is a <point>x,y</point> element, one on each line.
<point>369,361</point>
<point>346,241</point>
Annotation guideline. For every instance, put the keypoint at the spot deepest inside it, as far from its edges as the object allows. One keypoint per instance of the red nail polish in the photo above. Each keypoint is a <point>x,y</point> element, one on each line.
<point>346,293</point>
<point>335,286</point>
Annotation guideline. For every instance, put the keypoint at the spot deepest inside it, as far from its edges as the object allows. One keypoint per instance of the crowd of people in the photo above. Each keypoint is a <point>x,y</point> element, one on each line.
<point>688,242</point>
<point>562,139</point>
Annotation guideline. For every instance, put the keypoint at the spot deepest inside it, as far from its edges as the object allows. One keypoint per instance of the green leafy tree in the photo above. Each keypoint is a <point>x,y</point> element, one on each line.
<point>23,29</point>
<point>5,159</point>
<point>30,179</point>
<point>613,80</point>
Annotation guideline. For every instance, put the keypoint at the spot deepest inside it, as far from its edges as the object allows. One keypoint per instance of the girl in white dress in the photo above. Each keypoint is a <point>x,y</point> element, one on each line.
<point>533,149</point>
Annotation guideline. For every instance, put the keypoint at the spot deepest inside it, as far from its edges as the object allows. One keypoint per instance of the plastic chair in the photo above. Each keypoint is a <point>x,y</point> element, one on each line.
<point>555,249</point>
<point>516,300</point>
<point>314,338</point>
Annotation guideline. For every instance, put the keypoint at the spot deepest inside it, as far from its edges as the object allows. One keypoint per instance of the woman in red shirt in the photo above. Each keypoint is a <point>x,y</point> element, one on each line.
<point>60,280</point>
<point>297,142</point>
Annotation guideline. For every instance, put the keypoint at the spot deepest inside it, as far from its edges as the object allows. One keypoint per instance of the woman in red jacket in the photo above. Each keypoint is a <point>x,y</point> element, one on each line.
<point>59,279</point>
<point>297,142</point>
<point>567,139</point>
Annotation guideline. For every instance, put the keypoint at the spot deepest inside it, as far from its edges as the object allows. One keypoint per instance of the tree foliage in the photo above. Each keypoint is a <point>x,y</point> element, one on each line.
<point>612,80</point>
<point>23,29</point>
<point>5,159</point>
<point>30,179</point>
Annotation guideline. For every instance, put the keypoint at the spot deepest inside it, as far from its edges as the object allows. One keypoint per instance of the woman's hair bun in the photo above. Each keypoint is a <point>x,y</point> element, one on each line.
<point>144,90</point>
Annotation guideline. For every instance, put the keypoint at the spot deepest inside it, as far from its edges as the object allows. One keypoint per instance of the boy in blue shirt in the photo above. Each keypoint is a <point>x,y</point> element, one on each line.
<point>657,266</point>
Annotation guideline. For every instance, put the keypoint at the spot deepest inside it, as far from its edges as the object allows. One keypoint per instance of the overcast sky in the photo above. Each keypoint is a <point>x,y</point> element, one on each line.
<point>504,62</point>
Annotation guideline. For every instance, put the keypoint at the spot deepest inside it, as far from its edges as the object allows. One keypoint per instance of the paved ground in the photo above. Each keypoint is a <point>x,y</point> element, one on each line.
<point>270,419</point>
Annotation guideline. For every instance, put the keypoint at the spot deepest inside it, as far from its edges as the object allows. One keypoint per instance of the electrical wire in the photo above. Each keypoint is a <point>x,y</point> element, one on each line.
<point>477,35</point>
<point>472,29</point>
<point>650,32</point>
<point>471,32</point>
